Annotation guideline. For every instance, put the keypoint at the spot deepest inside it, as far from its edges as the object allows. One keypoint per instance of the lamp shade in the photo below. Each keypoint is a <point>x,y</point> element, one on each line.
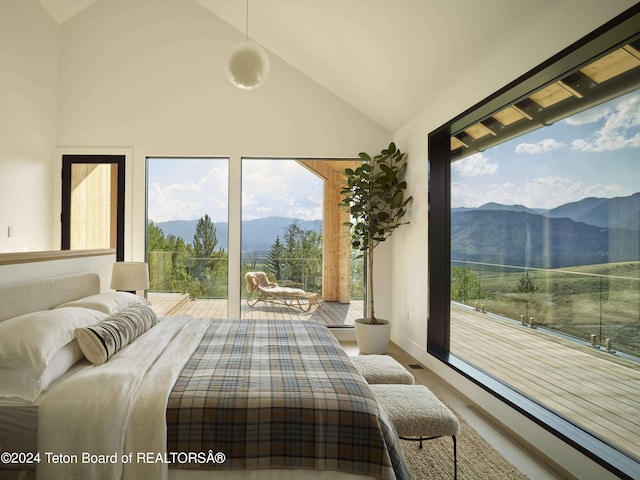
<point>247,65</point>
<point>130,276</point>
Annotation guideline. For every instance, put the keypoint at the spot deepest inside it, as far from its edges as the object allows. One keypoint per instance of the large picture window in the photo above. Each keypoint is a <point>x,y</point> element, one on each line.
<point>535,223</point>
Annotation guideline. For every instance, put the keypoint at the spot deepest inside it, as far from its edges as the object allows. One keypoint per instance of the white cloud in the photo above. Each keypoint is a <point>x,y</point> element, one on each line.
<point>191,198</point>
<point>546,145</point>
<point>475,165</point>
<point>269,188</point>
<point>606,191</point>
<point>591,115</point>
<point>615,134</point>
<point>463,196</point>
<point>542,192</point>
<point>168,204</point>
<point>280,188</point>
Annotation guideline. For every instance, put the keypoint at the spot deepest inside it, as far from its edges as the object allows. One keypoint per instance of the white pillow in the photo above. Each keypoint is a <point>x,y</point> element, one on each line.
<point>29,343</point>
<point>25,385</point>
<point>107,302</point>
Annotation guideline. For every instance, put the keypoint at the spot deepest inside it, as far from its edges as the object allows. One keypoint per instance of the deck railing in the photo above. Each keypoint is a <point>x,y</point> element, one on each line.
<point>207,277</point>
<point>583,303</point>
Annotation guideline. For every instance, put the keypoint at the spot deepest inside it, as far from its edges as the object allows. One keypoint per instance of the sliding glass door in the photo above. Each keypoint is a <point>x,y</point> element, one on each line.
<point>282,213</point>
<point>285,221</point>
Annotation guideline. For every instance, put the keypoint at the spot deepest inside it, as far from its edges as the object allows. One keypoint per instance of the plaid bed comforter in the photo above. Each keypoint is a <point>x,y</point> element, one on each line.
<point>279,394</point>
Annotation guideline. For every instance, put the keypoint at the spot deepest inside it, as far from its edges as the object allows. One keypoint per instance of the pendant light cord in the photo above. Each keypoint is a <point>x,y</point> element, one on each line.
<point>247,23</point>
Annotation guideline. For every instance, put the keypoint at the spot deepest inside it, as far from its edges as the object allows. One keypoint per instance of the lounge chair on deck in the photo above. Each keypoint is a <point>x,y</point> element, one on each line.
<point>261,289</point>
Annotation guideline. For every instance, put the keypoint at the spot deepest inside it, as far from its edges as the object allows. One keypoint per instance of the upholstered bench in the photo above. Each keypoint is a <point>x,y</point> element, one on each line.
<point>382,369</point>
<point>417,414</point>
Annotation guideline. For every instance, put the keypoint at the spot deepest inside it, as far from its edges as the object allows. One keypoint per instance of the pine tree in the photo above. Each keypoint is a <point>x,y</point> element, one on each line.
<point>205,239</point>
<point>298,259</point>
<point>275,258</point>
<point>289,267</point>
<point>526,284</point>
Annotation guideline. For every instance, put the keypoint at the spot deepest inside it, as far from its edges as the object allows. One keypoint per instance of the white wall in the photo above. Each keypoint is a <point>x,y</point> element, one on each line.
<point>153,80</point>
<point>28,125</point>
<point>537,43</point>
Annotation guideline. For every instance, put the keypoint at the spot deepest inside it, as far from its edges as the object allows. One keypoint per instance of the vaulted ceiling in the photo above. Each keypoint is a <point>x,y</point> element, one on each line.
<point>390,59</point>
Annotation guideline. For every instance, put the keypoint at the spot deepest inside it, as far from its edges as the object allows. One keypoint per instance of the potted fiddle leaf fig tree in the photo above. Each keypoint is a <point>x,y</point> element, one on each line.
<point>374,195</point>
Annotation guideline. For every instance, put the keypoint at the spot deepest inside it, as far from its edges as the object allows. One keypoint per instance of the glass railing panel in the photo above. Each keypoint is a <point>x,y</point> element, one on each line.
<point>582,303</point>
<point>178,272</point>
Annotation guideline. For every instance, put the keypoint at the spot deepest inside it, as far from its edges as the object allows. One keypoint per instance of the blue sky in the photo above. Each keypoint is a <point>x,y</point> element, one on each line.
<point>592,154</point>
<point>186,189</point>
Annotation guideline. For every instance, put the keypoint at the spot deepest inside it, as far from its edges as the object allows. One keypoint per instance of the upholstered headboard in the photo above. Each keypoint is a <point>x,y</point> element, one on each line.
<point>44,294</point>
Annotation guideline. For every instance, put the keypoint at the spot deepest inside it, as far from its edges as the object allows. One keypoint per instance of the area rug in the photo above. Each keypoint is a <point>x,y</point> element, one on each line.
<point>477,459</point>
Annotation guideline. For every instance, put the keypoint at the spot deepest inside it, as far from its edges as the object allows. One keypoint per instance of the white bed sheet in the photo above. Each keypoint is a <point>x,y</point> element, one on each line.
<point>19,420</point>
<point>131,419</point>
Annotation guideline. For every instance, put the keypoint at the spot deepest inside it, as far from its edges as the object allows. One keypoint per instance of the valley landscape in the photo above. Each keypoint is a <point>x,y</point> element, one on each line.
<point>574,269</point>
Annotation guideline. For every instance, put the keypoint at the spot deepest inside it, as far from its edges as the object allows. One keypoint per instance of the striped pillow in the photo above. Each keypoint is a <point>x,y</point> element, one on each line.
<point>100,342</point>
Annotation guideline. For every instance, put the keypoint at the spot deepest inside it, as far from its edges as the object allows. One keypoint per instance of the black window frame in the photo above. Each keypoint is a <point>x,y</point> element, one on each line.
<point>65,217</point>
<point>613,34</point>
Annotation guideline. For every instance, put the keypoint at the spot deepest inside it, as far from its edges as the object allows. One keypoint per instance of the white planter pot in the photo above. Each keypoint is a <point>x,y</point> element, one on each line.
<point>372,339</point>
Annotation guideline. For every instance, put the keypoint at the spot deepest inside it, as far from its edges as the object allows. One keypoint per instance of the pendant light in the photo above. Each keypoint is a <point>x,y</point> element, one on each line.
<point>248,63</point>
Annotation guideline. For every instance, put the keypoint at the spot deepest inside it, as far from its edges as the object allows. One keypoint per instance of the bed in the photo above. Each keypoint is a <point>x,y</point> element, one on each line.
<point>179,397</point>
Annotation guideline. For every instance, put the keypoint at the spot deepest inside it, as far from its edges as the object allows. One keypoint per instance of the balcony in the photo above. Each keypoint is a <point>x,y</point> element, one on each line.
<point>565,338</point>
<point>332,314</point>
<point>591,387</point>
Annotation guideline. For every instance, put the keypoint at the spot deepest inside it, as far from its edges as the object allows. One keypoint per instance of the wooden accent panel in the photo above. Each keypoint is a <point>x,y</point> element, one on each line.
<point>94,193</point>
<point>478,131</point>
<point>611,65</point>
<point>509,115</point>
<point>570,89</point>
<point>456,143</point>
<point>550,95</point>
<point>336,244</point>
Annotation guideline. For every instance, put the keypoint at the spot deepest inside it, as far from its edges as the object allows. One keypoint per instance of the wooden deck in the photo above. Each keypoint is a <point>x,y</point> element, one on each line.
<point>331,313</point>
<point>589,386</point>
<point>592,387</point>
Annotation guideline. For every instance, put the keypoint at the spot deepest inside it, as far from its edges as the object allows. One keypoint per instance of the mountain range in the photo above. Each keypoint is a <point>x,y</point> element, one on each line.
<point>590,231</point>
<point>586,232</point>
<point>257,235</point>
